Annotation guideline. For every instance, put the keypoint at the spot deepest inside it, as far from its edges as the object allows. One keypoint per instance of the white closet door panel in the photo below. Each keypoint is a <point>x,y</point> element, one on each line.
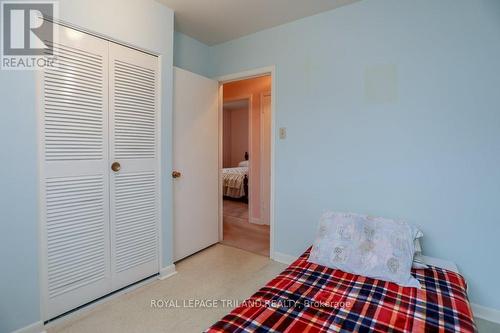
<point>135,110</point>
<point>74,101</point>
<point>134,144</point>
<point>74,177</point>
<point>76,244</point>
<point>136,217</point>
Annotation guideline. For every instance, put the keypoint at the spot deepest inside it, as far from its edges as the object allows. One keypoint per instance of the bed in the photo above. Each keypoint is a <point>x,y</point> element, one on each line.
<point>312,298</point>
<point>235,182</point>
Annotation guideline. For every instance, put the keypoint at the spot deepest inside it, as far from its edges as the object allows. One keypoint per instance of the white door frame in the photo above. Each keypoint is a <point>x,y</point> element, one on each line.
<point>42,264</point>
<point>262,94</point>
<point>269,70</point>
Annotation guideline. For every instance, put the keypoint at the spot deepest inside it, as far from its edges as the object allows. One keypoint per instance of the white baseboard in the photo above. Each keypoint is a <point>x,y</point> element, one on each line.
<point>283,258</point>
<point>255,220</point>
<point>486,313</point>
<point>167,272</point>
<point>33,328</point>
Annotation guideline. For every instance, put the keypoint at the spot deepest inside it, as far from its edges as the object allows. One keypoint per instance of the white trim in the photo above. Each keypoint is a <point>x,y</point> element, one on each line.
<point>486,313</point>
<point>159,160</point>
<point>283,258</point>
<point>99,35</point>
<point>42,264</point>
<point>272,218</point>
<point>269,70</point>
<point>220,129</point>
<point>255,220</point>
<point>261,159</point>
<point>32,328</point>
<point>248,75</point>
<point>167,272</point>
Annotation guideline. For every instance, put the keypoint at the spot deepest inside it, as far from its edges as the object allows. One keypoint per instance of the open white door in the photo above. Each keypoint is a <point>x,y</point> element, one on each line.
<point>195,157</point>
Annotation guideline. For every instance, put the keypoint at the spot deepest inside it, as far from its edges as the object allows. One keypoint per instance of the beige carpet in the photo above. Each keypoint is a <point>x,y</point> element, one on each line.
<point>238,232</point>
<point>219,272</point>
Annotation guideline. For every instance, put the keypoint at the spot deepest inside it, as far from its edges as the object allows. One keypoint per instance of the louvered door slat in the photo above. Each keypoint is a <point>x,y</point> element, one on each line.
<point>134,93</point>
<point>58,90</point>
<point>134,144</point>
<point>75,180</point>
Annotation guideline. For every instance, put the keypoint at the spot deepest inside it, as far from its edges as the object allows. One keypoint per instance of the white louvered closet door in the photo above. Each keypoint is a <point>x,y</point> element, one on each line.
<point>74,179</point>
<point>134,188</point>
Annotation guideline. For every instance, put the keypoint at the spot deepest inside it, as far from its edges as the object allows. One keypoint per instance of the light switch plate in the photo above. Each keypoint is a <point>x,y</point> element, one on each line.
<point>282,133</point>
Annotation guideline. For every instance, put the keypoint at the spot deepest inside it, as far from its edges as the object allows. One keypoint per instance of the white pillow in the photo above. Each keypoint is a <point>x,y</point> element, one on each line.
<point>243,164</point>
<point>370,246</point>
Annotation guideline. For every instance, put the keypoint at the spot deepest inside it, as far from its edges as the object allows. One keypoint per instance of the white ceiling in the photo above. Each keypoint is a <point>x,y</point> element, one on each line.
<point>217,21</point>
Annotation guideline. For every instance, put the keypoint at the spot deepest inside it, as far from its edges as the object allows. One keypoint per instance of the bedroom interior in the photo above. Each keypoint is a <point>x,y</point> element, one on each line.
<point>356,191</point>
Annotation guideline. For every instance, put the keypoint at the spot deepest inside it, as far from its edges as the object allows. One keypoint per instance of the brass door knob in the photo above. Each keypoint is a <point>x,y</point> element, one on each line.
<point>176,174</point>
<point>116,166</point>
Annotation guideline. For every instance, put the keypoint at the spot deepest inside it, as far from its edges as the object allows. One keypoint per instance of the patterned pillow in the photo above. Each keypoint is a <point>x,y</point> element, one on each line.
<point>370,246</point>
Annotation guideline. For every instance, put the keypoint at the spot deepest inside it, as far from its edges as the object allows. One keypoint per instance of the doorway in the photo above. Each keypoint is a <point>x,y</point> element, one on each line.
<point>246,163</point>
<point>198,162</point>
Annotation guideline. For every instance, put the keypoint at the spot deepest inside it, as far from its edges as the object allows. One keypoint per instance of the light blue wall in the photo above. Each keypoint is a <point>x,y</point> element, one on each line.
<point>19,291</point>
<point>144,23</point>
<point>191,54</point>
<point>431,155</point>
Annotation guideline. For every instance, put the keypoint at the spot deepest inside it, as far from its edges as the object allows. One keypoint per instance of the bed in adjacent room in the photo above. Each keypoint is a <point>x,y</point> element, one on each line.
<point>235,181</point>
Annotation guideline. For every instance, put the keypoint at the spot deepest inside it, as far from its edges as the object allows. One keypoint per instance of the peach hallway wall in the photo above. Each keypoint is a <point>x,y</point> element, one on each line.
<point>226,138</point>
<point>242,89</point>
<point>235,136</point>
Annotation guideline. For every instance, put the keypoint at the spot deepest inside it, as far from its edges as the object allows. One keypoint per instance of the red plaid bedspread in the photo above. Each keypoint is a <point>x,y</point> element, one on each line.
<point>312,298</point>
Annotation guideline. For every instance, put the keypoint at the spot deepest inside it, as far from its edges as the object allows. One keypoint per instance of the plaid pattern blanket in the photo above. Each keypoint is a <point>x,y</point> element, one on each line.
<point>313,298</point>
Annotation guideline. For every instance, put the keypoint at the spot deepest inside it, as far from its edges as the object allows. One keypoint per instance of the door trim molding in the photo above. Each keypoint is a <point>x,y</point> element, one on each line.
<point>262,94</point>
<point>99,35</point>
<point>40,196</point>
<point>252,73</point>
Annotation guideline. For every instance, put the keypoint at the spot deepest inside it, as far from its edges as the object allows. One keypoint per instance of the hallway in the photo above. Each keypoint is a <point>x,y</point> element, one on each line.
<point>238,232</point>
